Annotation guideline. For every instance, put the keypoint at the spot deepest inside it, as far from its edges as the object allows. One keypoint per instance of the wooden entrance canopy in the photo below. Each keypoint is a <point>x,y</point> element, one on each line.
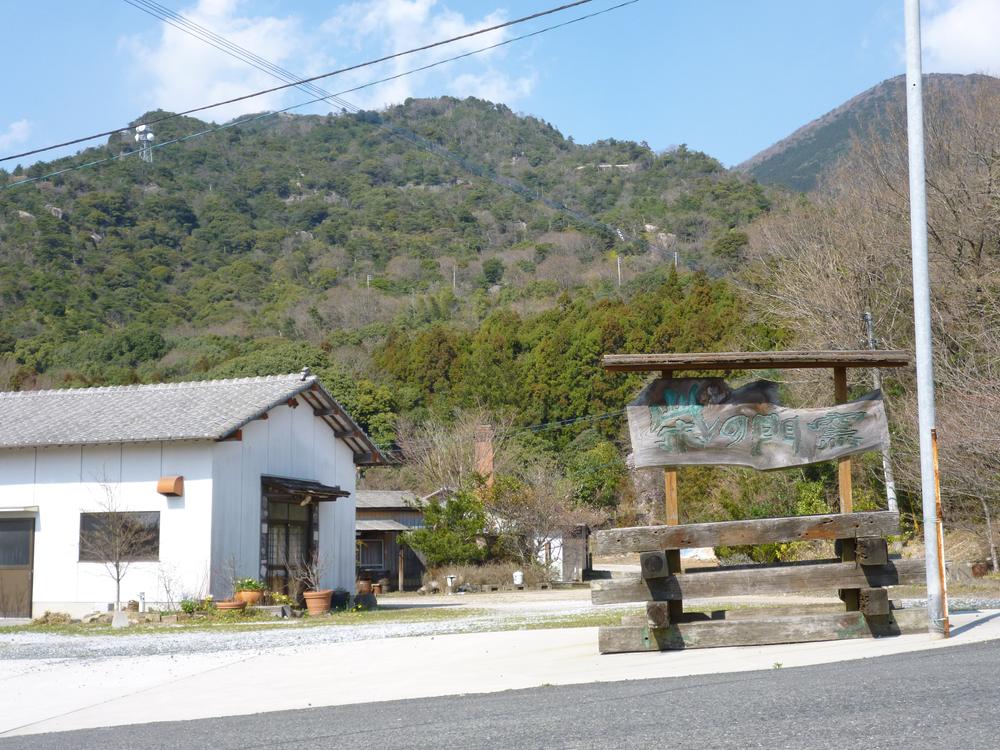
<point>860,572</point>
<point>787,360</point>
<point>838,360</point>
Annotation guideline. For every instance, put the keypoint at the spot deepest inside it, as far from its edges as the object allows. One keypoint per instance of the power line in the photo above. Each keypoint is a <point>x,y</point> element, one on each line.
<point>303,81</point>
<point>221,43</point>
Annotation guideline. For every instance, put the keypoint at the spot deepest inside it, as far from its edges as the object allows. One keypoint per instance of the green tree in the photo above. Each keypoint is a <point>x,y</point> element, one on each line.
<point>451,531</point>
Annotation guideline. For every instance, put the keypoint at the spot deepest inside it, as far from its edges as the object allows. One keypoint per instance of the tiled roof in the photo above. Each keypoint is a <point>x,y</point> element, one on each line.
<point>385,499</point>
<point>198,410</point>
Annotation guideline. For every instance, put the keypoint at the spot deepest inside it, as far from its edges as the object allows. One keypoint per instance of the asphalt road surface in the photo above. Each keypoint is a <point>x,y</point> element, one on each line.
<point>948,697</point>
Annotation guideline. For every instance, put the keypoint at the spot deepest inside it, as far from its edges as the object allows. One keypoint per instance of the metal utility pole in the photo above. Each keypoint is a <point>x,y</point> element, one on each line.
<point>619,259</point>
<point>890,481</point>
<point>937,593</point>
<point>676,259</point>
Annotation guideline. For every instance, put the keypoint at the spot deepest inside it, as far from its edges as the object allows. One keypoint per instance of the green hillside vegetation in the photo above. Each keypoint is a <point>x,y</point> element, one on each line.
<point>327,241</point>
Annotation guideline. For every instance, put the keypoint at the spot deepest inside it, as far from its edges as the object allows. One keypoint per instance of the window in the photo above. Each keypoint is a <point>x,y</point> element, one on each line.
<point>120,536</point>
<point>370,554</point>
<point>15,541</point>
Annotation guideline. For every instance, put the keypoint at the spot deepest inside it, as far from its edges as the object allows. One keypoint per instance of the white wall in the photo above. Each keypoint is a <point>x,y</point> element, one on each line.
<point>291,443</point>
<point>65,481</point>
<point>206,537</point>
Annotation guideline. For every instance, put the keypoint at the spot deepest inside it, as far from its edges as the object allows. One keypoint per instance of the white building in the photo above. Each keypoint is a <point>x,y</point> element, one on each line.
<point>230,478</point>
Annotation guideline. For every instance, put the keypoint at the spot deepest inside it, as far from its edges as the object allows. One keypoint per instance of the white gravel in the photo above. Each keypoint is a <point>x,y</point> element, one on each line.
<point>484,613</point>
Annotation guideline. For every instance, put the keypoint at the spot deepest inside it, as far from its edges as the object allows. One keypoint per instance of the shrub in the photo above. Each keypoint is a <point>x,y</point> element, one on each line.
<point>451,530</point>
<point>247,584</point>
<point>189,606</point>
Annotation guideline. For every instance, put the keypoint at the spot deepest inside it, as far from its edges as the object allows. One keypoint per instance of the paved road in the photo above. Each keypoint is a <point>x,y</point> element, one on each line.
<point>930,699</point>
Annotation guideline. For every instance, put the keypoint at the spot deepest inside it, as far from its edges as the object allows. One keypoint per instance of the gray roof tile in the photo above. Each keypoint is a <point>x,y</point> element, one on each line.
<point>199,410</point>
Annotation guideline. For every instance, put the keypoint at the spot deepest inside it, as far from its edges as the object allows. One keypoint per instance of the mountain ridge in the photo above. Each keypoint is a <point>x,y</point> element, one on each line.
<point>801,159</point>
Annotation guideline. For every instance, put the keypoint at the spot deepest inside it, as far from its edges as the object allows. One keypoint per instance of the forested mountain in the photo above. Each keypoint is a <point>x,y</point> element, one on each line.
<point>408,278</point>
<point>800,160</point>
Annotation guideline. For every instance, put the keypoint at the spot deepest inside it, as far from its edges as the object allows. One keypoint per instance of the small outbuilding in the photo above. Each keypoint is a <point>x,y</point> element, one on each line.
<point>215,480</point>
<point>382,515</point>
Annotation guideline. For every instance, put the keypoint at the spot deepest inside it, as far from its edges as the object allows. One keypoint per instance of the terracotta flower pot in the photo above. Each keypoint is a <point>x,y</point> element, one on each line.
<point>227,606</point>
<point>364,587</point>
<point>318,602</point>
<point>250,597</point>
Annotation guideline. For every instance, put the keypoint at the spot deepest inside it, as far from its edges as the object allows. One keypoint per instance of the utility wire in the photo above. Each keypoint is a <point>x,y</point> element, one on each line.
<point>321,76</point>
<point>222,44</point>
<point>260,63</point>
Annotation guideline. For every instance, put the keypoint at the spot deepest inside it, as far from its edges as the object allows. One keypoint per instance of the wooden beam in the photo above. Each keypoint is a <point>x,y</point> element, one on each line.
<point>671,512</point>
<point>759,632</point>
<point>755,580</point>
<point>874,602</point>
<point>755,360</point>
<point>327,412</point>
<point>844,464</point>
<point>871,551</point>
<point>753,531</point>
<point>234,435</point>
<point>654,565</point>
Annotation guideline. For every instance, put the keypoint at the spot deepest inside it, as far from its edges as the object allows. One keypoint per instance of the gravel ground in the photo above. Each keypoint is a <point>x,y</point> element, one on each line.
<point>501,613</point>
<point>486,612</point>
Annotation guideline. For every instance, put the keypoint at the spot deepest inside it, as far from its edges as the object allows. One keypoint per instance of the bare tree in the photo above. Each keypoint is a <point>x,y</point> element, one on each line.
<point>535,509</point>
<point>115,537</point>
<point>443,455</point>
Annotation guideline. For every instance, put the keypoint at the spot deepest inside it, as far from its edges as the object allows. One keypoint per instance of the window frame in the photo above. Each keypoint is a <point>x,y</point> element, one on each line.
<point>365,543</point>
<point>154,556</point>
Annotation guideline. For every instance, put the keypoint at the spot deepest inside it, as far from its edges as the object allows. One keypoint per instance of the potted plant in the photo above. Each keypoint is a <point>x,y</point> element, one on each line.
<point>310,573</point>
<point>229,606</point>
<point>248,590</point>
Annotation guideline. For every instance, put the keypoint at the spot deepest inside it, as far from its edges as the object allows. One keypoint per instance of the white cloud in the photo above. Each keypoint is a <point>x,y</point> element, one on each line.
<point>181,72</point>
<point>178,71</point>
<point>387,26</point>
<point>15,134</point>
<point>960,36</point>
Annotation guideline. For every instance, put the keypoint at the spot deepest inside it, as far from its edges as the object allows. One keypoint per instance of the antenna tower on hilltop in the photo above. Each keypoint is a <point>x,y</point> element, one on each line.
<point>144,137</point>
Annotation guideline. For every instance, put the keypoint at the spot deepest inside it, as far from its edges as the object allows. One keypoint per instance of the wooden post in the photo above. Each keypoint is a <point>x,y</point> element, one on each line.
<point>401,559</point>
<point>671,515</point>
<point>843,464</point>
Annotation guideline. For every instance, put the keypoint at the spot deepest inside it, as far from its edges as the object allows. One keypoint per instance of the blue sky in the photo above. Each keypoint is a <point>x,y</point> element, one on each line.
<point>728,77</point>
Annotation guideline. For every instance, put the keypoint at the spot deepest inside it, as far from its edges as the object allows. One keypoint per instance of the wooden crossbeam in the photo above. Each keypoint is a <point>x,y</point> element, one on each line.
<point>759,632</point>
<point>755,531</point>
<point>756,360</point>
<point>756,580</point>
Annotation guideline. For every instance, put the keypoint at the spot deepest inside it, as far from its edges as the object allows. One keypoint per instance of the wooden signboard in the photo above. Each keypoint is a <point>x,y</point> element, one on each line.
<point>685,421</point>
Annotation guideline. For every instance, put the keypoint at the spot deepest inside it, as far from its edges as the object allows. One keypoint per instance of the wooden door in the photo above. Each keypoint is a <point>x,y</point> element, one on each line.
<point>17,547</point>
<point>289,544</point>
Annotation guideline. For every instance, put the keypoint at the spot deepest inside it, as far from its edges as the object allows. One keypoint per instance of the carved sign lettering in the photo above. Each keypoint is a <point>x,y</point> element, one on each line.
<point>683,421</point>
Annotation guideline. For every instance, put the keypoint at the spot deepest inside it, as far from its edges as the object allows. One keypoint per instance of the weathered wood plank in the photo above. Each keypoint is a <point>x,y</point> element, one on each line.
<point>654,565</point>
<point>642,618</point>
<point>871,551</point>
<point>845,490</point>
<point>873,602</point>
<point>756,580</point>
<point>759,632</point>
<point>753,531</point>
<point>755,360</point>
